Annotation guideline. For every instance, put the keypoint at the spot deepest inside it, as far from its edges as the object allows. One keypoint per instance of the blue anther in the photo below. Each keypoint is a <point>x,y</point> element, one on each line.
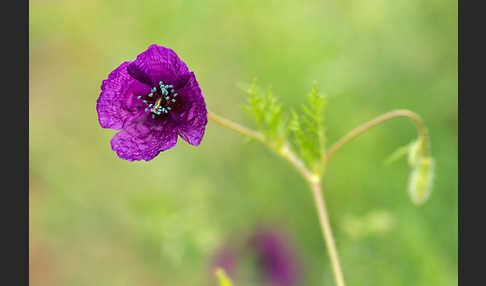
<point>151,94</point>
<point>172,90</point>
<point>153,116</point>
<point>175,94</point>
<point>150,105</point>
<point>167,98</point>
<point>161,82</point>
<point>139,96</point>
<point>144,101</point>
<point>154,89</point>
<point>168,107</point>
<point>170,85</point>
<point>173,100</point>
<point>146,109</point>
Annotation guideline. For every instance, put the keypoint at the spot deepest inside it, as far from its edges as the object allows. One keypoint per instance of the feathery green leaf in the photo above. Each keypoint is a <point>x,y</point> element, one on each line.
<point>266,111</point>
<point>308,129</point>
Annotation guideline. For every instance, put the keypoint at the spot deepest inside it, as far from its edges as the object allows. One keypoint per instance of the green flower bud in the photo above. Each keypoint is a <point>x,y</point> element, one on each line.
<point>420,184</point>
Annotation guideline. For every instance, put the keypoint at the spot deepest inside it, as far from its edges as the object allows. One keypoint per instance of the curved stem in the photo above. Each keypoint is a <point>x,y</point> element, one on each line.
<point>290,156</point>
<point>327,232</point>
<point>380,119</point>
<point>236,127</point>
<point>284,151</point>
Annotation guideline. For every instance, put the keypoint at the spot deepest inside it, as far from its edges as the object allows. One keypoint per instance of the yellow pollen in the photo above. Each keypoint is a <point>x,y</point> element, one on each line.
<point>157,104</point>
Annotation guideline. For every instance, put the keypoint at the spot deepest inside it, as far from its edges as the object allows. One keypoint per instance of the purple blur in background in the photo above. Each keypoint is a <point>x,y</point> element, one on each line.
<point>276,257</point>
<point>277,262</point>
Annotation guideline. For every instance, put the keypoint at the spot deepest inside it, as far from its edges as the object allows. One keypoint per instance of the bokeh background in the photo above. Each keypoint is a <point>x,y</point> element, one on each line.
<point>98,220</point>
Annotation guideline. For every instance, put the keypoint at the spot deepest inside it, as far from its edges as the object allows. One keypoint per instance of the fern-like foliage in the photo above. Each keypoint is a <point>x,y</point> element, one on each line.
<point>307,129</point>
<point>303,131</point>
<point>266,111</point>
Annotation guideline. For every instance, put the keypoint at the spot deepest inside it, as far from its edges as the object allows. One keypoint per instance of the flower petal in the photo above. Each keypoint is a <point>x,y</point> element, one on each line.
<point>143,140</point>
<point>117,104</point>
<point>182,80</point>
<point>160,64</point>
<point>194,116</point>
<point>138,74</point>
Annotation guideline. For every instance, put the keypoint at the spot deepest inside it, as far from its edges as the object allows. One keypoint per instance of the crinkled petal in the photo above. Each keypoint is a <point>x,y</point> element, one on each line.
<point>193,116</point>
<point>160,64</point>
<point>117,104</point>
<point>182,80</point>
<point>143,140</point>
<point>138,74</point>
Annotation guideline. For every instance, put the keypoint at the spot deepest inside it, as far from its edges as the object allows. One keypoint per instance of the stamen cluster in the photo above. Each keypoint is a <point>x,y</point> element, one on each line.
<point>160,99</point>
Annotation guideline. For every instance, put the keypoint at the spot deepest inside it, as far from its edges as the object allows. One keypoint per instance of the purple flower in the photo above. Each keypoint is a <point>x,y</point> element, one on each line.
<point>276,257</point>
<point>151,100</point>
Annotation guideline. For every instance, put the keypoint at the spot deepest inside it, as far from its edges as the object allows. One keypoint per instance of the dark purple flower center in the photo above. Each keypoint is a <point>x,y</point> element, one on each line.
<point>160,101</point>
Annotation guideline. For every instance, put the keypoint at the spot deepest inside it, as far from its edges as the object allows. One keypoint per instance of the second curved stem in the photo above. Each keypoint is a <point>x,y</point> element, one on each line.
<point>374,122</point>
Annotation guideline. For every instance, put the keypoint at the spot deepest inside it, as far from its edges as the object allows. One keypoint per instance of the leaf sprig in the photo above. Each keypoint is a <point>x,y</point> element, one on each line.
<point>266,111</point>
<point>303,131</point>
<point>308,129</point>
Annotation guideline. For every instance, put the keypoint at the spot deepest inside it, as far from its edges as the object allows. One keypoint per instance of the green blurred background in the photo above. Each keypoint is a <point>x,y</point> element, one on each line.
<point>98,220</point>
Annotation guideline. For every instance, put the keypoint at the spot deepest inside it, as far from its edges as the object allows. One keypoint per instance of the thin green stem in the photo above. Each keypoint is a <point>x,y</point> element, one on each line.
<point>284,151</point>
<point>287,153</point>
<point>377,121</point>
<point>327,231</point>
<point>312,179</point>
<point>237,127</point>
